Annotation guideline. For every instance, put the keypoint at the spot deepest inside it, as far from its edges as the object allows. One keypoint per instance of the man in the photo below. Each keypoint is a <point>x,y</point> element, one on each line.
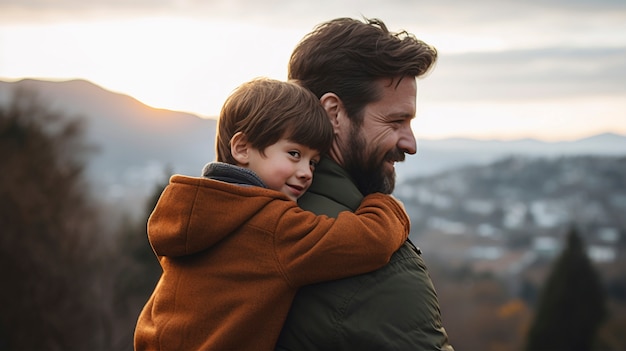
<point>366,79</point>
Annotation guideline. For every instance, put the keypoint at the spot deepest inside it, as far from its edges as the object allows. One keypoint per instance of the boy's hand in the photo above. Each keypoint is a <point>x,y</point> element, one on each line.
<point>398,201</point>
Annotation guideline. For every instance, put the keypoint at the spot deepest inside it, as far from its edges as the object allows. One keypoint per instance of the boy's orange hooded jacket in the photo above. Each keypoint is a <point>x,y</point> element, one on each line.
<point>234,256</point>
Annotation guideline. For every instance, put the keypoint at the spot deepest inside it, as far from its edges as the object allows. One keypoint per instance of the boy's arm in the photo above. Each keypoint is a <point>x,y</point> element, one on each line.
<point>314,248</point>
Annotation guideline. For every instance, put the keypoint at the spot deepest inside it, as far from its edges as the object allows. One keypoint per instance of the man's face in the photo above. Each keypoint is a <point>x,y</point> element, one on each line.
<point>371,150</point>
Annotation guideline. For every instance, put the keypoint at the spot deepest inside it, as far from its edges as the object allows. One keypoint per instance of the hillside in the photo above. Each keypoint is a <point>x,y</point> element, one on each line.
<point>520,204</point>
<point>435,156</point>
<point>135,144</point>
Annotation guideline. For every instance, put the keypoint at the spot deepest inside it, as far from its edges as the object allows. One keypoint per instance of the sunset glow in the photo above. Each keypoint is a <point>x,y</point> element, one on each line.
<point>496,78</point>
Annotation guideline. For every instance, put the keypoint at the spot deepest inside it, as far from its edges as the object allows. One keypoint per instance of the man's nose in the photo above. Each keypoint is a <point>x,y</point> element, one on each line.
<point>407,142</point>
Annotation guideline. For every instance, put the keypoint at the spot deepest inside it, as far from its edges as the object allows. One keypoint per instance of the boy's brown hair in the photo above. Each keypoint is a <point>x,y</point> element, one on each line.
<point>267,110</point>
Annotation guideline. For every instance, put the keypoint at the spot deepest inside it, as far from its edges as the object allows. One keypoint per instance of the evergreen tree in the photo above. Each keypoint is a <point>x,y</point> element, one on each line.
<point>572,304</point>
<point>47,231</point>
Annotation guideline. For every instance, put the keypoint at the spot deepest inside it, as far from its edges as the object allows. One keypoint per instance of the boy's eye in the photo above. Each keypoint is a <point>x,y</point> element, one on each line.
<point>294,153</point>
<point>313,164</point>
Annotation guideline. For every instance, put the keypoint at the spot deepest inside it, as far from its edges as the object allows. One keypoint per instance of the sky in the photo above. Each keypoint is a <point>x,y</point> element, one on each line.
<point>552,70</point>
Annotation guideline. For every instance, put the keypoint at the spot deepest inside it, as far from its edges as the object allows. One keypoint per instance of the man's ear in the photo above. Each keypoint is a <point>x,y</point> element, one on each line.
<point>239,148</point>
<point>334,109</point>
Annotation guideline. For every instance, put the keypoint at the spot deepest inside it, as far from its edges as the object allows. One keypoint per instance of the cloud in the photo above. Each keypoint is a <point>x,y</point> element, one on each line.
<point>537,74</point>
<point>506,67</point>
<point>432,12</point>
<point>453,25</point>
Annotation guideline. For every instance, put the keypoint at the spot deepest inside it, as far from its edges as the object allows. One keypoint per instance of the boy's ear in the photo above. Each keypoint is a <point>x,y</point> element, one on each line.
<point>239,147</point>
<point>334,109</point>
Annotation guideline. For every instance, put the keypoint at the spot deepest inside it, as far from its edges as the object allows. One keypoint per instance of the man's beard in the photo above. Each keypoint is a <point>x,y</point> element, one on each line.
<point>368,170</point>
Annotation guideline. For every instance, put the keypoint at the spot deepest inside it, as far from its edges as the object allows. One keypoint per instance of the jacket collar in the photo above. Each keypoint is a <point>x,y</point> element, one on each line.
<point>331,181</point>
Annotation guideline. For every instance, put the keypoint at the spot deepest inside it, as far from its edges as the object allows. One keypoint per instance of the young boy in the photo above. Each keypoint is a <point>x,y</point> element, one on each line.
<point>234,245</point>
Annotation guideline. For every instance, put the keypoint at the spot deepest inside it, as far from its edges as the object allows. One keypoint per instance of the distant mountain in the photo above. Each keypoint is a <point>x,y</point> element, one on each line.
<point>435,156</point>
<point>137,143</point>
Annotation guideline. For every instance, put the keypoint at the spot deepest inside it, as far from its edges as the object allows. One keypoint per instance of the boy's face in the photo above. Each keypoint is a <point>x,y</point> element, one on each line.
<point>285,166</point>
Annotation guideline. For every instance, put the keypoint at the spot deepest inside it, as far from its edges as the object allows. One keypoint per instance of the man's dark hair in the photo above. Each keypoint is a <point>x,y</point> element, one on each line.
<point>347,56</point>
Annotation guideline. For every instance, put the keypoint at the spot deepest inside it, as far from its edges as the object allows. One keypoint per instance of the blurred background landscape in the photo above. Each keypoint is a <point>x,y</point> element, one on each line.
<point>492,218</point>
<point>517,194</point>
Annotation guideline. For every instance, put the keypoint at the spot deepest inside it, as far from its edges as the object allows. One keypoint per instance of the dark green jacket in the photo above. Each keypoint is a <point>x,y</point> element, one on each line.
<point>393,308</point>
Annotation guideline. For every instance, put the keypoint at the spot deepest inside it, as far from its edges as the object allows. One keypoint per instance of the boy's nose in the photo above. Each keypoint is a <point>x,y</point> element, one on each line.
<point>304,171</point>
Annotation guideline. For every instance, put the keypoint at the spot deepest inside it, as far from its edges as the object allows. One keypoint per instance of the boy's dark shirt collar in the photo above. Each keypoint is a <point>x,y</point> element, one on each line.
<point>228,173</point>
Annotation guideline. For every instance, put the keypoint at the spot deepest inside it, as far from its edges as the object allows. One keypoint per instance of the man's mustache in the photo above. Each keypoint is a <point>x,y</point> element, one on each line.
<point>396,155</point>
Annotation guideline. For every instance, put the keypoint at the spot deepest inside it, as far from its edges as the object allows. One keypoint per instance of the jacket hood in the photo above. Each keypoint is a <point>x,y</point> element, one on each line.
<point>194,214</point>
